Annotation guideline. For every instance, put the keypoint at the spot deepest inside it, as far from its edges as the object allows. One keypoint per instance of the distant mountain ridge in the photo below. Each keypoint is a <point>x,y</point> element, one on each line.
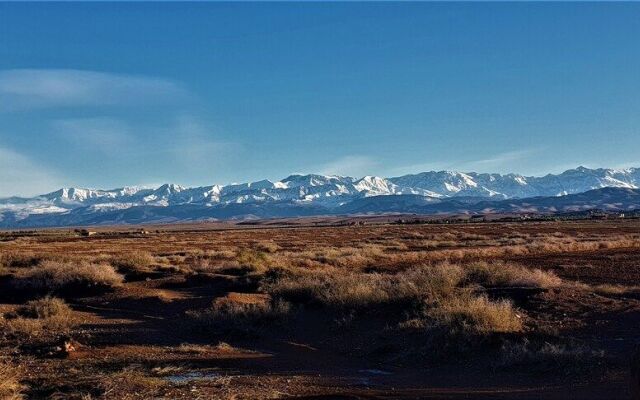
<point>297,195</point>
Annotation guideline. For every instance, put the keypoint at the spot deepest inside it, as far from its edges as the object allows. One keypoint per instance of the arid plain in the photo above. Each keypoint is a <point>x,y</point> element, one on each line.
<point>527,310</point>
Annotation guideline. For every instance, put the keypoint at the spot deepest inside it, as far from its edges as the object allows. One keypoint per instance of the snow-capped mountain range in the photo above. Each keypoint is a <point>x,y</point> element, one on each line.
<point>312,192</point>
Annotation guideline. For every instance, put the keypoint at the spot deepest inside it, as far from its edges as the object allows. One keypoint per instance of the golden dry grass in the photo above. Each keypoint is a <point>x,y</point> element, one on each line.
<point>47,307</point>
<point>10,386</point>
<point>131,384</point>
<point>616,290</point>
<point>467,314</point>
<point>40,317</point>
<point>498,273</point>
<point>242,315</point>
<point>440,288</point>
<point>133,262</point>
<point>14,259</point>
<point>56,275</point>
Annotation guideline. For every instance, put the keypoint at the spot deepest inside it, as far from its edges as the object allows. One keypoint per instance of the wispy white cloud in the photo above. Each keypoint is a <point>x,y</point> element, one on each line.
<point>20,175</point>
<point>351,165</point>
<point>508,161</point>
<point>38,88</point>
<point>101,134</point>
<point>499,161</point>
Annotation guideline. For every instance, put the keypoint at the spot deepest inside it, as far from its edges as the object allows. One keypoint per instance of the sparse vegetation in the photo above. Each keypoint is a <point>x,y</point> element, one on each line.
<point>467,314</point>
<point>55,276</point>
<point>47,307</point>
<point>243,314</point>
<point>39,317</point>
<point>267,247</point>
<point>548,356</point>
<point>506,274</point>
<point>494,298</point>
<point>19,260</point>
<point>131,383</point>
<point>252,260</point>
<point>135,262</point>
<point>617,290</point>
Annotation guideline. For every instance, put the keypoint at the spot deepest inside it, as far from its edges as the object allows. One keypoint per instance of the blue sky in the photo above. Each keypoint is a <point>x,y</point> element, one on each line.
<point>112,94</point>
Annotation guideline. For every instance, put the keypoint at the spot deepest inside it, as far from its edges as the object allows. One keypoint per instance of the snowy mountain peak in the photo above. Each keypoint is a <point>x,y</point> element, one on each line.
<point>327,191</point>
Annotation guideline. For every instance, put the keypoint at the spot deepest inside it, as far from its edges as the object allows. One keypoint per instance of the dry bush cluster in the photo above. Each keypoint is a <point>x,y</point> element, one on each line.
<point>46,316</point>
<point>498,273</point>
<point>468,314</point>
<point>55,276</point>
<point>242,316</point>
<point>19,259</point>
<point>135,262</point>
<point>438,293</point>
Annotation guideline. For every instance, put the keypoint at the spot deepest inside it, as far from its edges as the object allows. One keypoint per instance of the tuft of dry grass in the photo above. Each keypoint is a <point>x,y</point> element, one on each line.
<point>226,309</point>
<point>230,314</point>
<point>468,314</point>
<point>267,247</point>
<point>498,273</point>
<point>255,261</point>
<point>330,287</point>
<point>429,282</point>
<point>57,276</point>
<point>13,259</point>
<point>335,287</point>
<point>132,384</point>
<point>616,290</point>
<point>190,348</point>
<point>134,262</point>
<point>10,386</point>
<point>548,356</point>
<point>48,315</point>
<point>47,307</point>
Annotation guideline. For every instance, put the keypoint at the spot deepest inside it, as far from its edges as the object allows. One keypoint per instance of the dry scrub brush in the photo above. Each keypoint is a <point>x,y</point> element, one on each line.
<point>37,318</point>
<point>19,259</point>
<point>475,315</point>
<point>242,316</point>
<point>498,273</point>
<point>435,294</point>
<point>134,262</point>
<point>55,276</point>
<point>549,356</point>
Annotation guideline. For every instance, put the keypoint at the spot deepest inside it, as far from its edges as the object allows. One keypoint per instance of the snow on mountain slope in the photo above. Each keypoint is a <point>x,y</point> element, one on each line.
<point>581,179</point>
<point>326,192</point>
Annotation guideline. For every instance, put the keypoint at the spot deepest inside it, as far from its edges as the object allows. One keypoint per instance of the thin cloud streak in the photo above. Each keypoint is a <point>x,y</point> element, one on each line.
<point>504,162</point>
<point>351,165</point>
<point>22,89</point>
